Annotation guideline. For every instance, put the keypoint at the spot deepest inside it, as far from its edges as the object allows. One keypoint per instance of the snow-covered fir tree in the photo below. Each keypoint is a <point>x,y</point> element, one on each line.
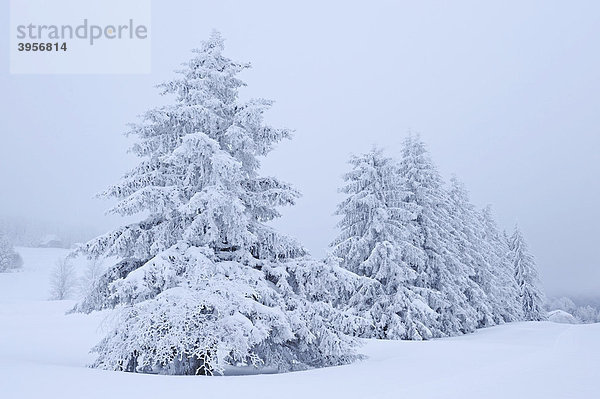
<point>497,273</point>
<point>526,276</point>
<point>440,269</point>
<point>9,259</point>
<point>469,243</point>
<point>372,243</point>
<point>205,282</point>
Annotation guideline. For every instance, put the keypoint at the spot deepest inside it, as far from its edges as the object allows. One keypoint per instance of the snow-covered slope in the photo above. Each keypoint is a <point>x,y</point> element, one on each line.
<point>43,353</point>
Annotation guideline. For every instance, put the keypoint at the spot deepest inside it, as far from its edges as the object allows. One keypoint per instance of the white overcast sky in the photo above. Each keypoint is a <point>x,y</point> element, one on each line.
<point>506,95</point>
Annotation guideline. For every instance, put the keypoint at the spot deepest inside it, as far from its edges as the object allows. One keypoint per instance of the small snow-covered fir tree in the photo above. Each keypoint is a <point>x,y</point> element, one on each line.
<point>526,276</point>
<point>205,281</point>
<point>372,243</point>
<point>9,259</point>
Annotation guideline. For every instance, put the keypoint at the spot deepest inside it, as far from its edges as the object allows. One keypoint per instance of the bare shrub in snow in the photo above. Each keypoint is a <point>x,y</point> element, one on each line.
<point>63,281</point>
<point>91,276</point>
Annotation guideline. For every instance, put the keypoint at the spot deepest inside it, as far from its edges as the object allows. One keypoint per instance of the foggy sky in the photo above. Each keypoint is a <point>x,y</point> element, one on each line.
<point>505,95</point>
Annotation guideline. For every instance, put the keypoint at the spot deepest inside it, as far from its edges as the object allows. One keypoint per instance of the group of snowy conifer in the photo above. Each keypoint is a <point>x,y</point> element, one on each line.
<point>436,266</point>
<point>203,284</point>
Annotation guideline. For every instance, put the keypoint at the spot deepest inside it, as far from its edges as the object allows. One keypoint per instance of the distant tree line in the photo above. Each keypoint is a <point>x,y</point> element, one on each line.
<point>28,232</point>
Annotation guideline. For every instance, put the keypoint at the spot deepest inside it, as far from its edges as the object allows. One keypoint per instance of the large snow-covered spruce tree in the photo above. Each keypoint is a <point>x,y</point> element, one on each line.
<point>373,244</point>
<point>204,282</point>
<point>526,276</point>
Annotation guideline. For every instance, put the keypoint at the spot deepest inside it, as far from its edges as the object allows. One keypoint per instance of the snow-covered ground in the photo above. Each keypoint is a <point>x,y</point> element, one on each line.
<point>43,354</point>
